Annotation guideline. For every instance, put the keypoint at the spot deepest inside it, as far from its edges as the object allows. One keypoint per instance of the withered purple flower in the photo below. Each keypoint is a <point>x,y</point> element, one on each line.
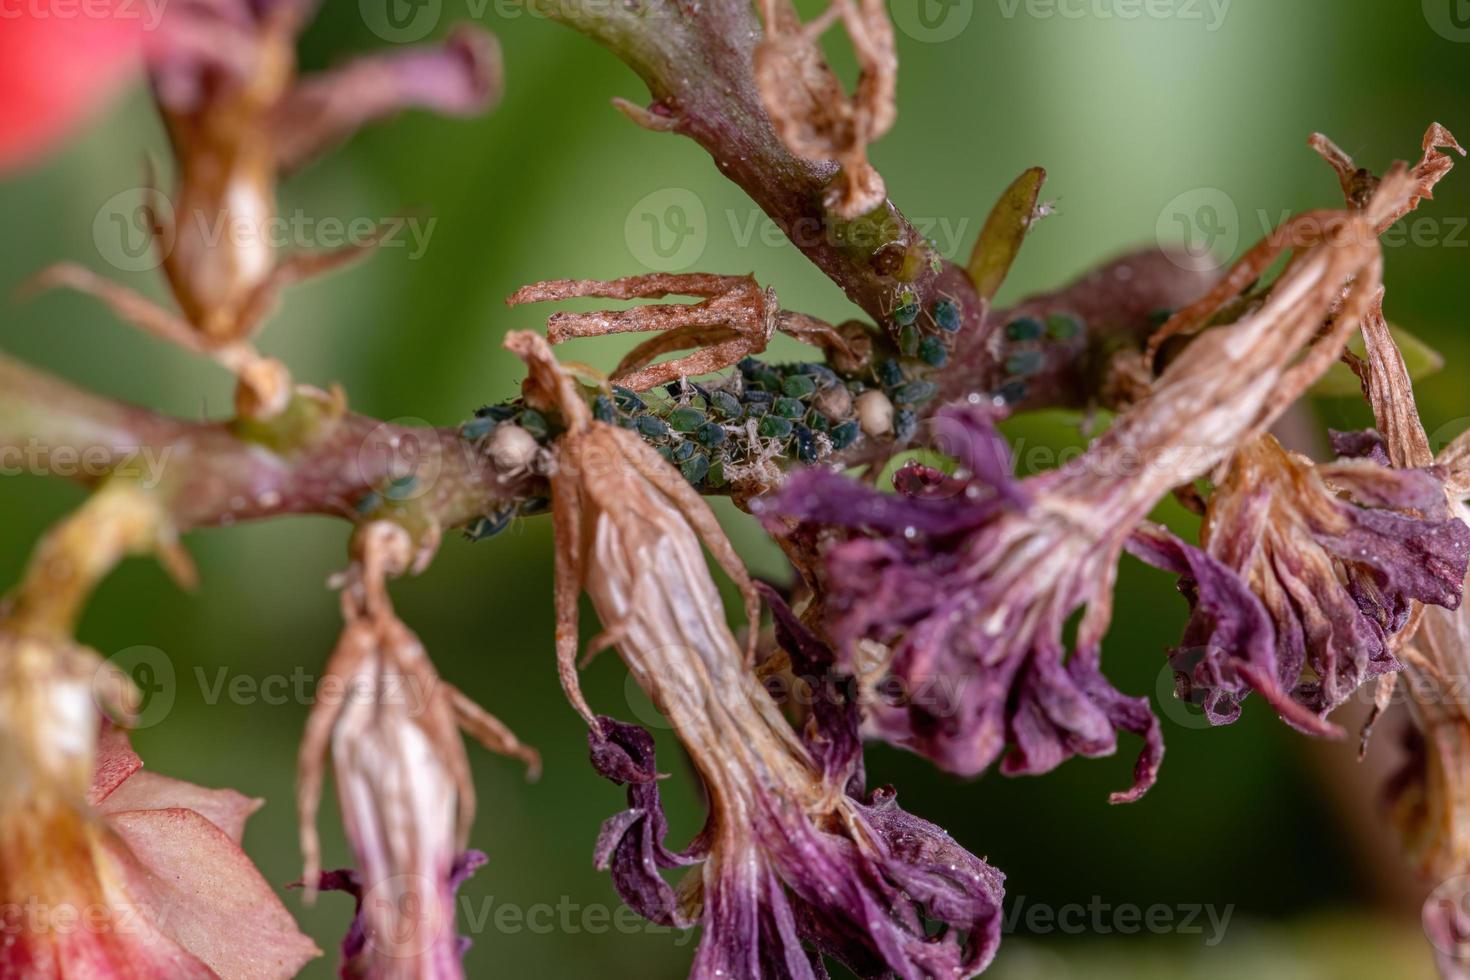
<point>791,866</point>
<point>1336,553</point>
<point>966,586</point>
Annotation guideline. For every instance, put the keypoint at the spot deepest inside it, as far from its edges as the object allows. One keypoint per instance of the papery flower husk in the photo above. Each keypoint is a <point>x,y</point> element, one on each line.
<point>120,873</point>
<point>403,780</point>
<point>791,866</point>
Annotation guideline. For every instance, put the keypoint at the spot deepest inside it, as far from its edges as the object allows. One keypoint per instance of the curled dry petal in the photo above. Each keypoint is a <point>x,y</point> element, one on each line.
<point>813,116</point>
<point>791,866</point>
<point>107,871</point>
<point>734,319</point>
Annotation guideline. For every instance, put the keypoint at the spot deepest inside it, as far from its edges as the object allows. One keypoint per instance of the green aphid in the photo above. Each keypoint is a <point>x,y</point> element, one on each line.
<point>534,422</point>
<point>775,427</point>
<point>933,352</point>
<point>845,434</point>
<point>756,410</point>
<point>628,399</point>
<point>478,428</point>
<point>1063,326</point>
<point>1024,329</point>
<point>686,419</point>
<point>1025,363</point>
<point>402,488</point>
<point>489,525</point>
<point>907,310</point>
<point>908,340</point>
<point>789,408</point>
<point>819,422</point>
<point>905,425</point>
<point>798,386</point>
<point>1013,392</point>
<point>947,316</point>
<point>695,468</point>
<point>766,380</point>
<point>652,428</point>
<point>711,434</point>
<point>666,453</point>
<point>725,403</point>
<point>716,475</point>
<point>914,392</point>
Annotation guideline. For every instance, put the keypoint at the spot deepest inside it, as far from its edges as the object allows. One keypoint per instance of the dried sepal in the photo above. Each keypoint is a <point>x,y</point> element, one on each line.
<point>403,779</point>
<point>813,116</point>
<point>735,319</point>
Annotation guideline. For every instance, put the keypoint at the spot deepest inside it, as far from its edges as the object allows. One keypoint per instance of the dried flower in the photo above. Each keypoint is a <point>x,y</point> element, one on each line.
<point>224,76</point>
<point>735,319</point>
<point>403,780</point>
<point>1337,553</point>
<point>110,872</point>
<point>967,585</point>
<point>812,115</point>
<point>788,857</point>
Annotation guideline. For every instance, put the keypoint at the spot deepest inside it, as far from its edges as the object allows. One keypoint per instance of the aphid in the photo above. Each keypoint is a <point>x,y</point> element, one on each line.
<point>1025,328</point>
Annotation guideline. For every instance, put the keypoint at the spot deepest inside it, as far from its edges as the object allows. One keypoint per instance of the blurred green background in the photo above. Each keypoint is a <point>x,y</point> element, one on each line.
<point>1137,119</point>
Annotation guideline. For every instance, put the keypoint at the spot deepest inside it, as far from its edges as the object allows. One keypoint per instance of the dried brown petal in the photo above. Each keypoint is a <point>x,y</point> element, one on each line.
<point>811,113</point>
